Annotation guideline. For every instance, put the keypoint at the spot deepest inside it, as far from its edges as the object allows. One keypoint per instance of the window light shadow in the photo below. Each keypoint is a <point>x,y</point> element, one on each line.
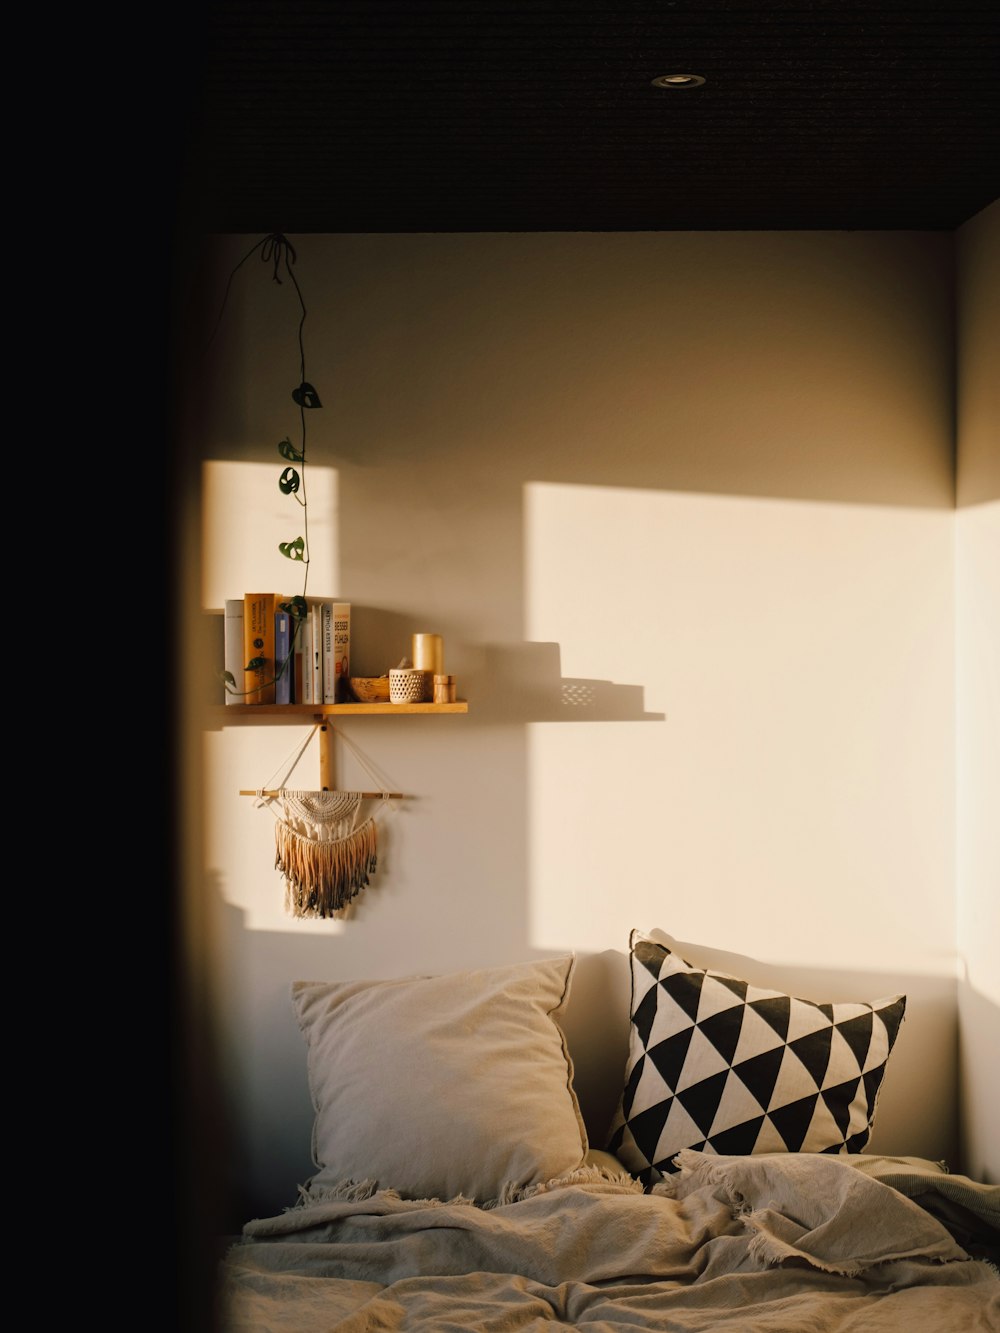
<point>523,682</point>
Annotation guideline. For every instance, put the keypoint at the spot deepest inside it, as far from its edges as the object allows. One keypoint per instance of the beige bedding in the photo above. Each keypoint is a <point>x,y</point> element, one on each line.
<point>788,1242</point>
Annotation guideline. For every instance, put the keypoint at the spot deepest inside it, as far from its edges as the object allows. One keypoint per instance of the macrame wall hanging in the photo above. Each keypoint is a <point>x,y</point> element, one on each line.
<point>325,854</point>
<point>325,848</point>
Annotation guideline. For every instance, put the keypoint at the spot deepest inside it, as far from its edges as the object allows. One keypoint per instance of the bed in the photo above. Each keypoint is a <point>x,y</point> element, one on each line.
<point>456,1189</point>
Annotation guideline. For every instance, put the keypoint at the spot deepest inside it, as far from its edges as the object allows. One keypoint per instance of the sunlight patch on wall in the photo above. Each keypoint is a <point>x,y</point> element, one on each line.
<point>246,517</point>
<point>795,800</point>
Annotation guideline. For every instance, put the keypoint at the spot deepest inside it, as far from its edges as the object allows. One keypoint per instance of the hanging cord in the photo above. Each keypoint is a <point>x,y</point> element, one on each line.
<point>273,249</point>
<point>379,779</point>
<point>272,791</point>
<point>291,760</point>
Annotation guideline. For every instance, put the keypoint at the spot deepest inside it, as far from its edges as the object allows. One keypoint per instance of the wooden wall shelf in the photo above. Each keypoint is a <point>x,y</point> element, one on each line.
<point>337,710</point>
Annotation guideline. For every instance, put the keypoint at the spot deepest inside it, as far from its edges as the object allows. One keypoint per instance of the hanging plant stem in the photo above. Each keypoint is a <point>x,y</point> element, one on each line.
<point>277,250</point>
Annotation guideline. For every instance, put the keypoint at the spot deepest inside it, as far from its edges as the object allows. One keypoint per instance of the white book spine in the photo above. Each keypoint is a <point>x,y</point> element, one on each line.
<point>316,618</point>
<point>341,649</point>
<point>329,657</point>
<point>306,653</point>
<point>233,647</point>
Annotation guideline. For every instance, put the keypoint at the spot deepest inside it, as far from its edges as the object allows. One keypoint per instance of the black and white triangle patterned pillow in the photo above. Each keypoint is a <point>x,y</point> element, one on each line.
<point>724,1067</point>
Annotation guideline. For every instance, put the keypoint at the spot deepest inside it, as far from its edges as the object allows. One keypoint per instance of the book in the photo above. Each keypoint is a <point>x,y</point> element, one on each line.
<point>283,666</point>
<point>258,643</point>
<point>329,661</point>
<point>342,647</point>
<point>316,655</point>
<point>298,659</point>
<point>302,658</point>
<point>336,652</point>
<point>233,658</point>
<point>294,671</point>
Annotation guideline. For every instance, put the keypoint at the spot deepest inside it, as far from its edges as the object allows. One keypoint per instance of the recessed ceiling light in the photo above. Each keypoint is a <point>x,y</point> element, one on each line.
<point>678,81</point>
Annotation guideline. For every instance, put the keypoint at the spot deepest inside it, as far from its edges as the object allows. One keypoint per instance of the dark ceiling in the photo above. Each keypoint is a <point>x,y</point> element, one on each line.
<point>540,115</point>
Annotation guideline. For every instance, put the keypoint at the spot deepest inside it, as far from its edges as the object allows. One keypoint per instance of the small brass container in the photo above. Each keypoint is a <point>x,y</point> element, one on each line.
<point>428,653</point>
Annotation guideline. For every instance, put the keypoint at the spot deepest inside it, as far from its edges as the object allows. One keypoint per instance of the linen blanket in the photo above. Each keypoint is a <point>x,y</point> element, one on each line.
<point>776,1243</point>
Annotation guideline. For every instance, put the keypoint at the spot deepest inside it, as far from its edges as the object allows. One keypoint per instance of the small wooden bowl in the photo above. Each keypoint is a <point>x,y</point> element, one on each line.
<point>370,689</point>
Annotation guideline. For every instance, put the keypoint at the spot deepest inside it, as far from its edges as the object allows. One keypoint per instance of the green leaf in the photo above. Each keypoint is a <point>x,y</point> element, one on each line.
<point>288,450</point>
<point>296,608</point>
<point>288,482</point>
<point>293,550</point>
<point>255,664</point>
<point>306,396</point>
<point>228,679</point>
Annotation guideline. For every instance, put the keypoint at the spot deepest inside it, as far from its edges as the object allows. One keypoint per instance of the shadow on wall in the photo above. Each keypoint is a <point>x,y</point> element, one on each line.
<point>510,682</point>
<point>523,682</point>
<point>680,362</point>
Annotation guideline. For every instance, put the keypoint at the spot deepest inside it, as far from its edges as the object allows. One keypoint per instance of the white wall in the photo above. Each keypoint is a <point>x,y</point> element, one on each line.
<point>681,507</point>
<point>978,689</point>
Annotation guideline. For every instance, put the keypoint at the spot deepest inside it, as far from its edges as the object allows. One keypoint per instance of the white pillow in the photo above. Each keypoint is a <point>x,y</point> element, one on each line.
<point>445,1086</point>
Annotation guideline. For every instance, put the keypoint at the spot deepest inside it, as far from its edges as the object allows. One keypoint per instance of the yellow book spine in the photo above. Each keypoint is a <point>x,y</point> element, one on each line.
<point>258,643</point>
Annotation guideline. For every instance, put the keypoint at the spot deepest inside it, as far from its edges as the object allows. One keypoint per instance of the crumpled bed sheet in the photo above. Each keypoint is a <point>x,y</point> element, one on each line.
<point>782,1243</point>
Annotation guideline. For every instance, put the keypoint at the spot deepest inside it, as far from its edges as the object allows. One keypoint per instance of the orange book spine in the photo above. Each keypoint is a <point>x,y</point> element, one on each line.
<point>258,643</point>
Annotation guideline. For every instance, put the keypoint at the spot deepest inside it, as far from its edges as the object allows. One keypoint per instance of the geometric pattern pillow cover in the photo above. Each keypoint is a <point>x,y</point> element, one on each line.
<point>724,1067</point>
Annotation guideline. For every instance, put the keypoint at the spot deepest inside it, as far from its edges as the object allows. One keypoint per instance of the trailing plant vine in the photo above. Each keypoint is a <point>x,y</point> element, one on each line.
<point>277,250</point>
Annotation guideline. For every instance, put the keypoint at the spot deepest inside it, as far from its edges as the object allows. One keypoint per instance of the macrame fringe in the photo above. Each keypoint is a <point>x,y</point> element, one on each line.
<point>323,877</point>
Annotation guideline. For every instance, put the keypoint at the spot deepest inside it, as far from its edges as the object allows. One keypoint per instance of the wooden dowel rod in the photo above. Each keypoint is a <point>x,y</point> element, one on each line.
<point>365,795</point>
